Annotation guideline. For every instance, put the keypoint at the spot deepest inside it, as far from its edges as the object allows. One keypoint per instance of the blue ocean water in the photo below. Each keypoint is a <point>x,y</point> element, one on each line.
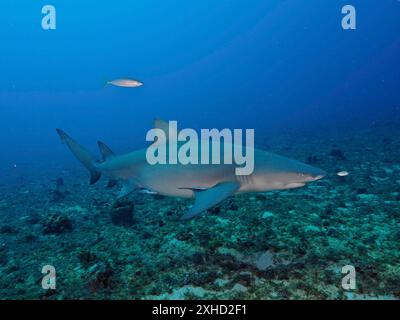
<point>285,68</point>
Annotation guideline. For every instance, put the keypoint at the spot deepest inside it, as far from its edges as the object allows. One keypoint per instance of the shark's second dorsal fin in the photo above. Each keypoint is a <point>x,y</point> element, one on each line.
<point>106,152</point>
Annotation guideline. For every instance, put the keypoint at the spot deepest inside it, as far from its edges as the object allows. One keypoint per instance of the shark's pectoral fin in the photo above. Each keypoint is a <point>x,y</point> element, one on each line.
<point>206,199</point>
<point>127,187</point>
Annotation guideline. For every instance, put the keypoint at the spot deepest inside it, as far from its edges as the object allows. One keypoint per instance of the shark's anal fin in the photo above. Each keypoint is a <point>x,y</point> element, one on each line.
<point>127,187</point>
<point>206,199</point>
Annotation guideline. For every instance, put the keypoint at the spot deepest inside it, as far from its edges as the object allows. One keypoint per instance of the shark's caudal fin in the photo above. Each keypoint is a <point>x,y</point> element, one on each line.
<point>82,155</point>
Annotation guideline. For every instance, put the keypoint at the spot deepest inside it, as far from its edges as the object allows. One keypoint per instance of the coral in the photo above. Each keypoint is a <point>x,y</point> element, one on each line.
<point>57,223</point>
<point>122,213</point>
<point>102,279</point>
<point>86,257</point>
<point>6,229</point>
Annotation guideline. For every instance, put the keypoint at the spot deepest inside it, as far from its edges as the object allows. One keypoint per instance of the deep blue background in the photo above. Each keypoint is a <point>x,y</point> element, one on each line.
<point>268,65</point>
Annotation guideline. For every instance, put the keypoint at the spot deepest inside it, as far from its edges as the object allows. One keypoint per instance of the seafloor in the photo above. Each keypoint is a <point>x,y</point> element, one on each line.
<point>275,245</point>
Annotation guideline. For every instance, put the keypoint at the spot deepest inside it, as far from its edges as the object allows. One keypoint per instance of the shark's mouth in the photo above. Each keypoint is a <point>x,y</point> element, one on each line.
<point>318,177</point>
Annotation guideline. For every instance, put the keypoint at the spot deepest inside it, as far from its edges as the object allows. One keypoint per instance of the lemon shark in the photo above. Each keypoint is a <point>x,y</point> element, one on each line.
<point>208,184</point>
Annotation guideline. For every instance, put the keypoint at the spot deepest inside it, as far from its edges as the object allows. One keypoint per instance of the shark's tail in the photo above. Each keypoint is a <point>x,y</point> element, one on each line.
<point>82,155</point>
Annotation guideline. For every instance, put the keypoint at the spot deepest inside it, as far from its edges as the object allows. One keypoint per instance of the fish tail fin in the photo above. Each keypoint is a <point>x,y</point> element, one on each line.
<point>82,155</point>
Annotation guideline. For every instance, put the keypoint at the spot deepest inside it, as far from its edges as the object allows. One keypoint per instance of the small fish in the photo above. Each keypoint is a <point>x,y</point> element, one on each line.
<point>342,173</point>
<point>126,83</point>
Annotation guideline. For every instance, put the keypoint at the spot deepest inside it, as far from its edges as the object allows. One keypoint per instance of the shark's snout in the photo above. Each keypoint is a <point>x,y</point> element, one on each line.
<point>320,176</point>
<point>316,174</point>
<point>306,173</point>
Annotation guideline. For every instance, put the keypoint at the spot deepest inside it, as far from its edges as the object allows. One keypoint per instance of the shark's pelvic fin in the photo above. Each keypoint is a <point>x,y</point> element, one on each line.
<point>106,152</point>
<point>82,155</point>
<point>206,199</point>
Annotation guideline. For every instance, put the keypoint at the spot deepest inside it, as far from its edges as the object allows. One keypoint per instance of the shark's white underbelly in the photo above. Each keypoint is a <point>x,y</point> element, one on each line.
<point>178,180</point>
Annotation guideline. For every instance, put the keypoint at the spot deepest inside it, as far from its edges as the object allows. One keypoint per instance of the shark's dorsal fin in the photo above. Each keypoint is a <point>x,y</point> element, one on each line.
<point>106,152</point>
<point>206,199</point>
<point>164,126</point>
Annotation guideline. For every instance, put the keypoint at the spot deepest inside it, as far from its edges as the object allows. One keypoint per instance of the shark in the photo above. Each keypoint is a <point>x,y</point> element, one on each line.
<point>208,184</point>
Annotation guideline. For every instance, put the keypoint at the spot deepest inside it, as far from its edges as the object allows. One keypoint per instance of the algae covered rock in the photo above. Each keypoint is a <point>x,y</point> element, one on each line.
<point>59,193</point>
<point>6,229</point>
<point>101,277</point>
<point>265,261</point>
<point>86,257</point>
<point>57,223</point>
<point>122,213</point>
